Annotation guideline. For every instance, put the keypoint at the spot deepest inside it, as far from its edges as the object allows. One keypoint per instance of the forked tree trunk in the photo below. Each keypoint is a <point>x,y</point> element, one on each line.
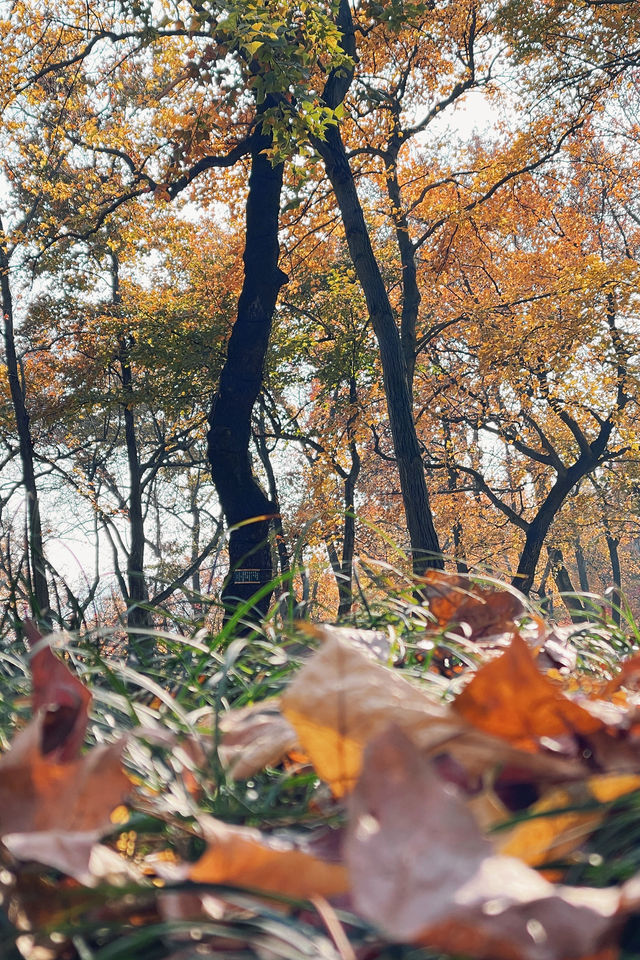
<point>425,547</point>
<point>246,507</point>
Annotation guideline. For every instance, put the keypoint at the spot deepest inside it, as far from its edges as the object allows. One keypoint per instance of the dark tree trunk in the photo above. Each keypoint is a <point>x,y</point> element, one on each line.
<point>40,601</point>
<point>614,557</point>
<point>581,564</point>
<point>422,534</point>
<point>245,505</point>
<point>565,585</point>
<point>539,527</point>
<point>137,599</point>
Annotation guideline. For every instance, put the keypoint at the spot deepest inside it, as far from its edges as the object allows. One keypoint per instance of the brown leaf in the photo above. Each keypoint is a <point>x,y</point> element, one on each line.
<point>455,600</point>
<point>340,699</point>
<point>421,870</point>
<point>375,644</point>
<point>37,793</point>
<point>64,699</point>
<point>510,698</point>
<point>55,812</point>
<point>244,857</point>
<point>254,737</point>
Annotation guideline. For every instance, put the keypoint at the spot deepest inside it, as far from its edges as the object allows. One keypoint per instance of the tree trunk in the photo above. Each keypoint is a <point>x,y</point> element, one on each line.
<point>540,525</point>
<point>565,585</point>
<point>422,534</point>
<point>581,564</point>
<point>137,599</point>
<point>40,601</point>
<point>245,505</point>
<point>614,557</point>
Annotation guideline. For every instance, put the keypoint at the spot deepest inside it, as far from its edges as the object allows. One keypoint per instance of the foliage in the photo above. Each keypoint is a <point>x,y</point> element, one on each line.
<point>322,807</point>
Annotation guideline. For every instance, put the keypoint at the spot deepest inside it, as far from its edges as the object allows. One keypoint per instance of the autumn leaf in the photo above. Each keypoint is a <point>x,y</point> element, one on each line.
<point>546,835</point>
<point>60,694</point>
<point>341,698</point>
<point>510,698</point>
<point>253,738</point>
<point>55,804</point>
<point>241,856</point>
<point>456,601</point>
<point>422,871</point>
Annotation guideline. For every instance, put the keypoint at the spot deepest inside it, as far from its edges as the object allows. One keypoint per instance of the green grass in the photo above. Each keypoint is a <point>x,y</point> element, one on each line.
<point>190,675</point>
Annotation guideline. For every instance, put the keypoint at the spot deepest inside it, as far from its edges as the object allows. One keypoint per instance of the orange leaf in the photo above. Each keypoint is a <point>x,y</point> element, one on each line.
<point>510,698</point>
<point>244,857</point>
<point>456,600</point>
<point>64,699</point>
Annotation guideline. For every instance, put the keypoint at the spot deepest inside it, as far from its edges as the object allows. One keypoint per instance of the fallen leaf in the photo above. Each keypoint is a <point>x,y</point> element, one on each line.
<point>422,871</point>
<point>375,644</point>
<point>340,699</point>
<point>509,697</point>
<point>63,698</point>
<point>241,856</point>
<point>456,601</point>
<point>253,738</point>
<point>549,836</point>
<point>46,801</point>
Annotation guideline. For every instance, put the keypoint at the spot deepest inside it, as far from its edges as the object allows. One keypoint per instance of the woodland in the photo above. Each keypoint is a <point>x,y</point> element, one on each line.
<point>320,480</point>
<point>287,286</point>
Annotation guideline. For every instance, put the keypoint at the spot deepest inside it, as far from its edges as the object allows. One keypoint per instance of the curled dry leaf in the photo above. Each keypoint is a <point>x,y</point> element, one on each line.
<point>55,803</point>
<point>510,698</point>
<point>421,870</point>
<point>551,836</point>
<point>37,793</point>
<point>244,857</point>
<point>63,698</point>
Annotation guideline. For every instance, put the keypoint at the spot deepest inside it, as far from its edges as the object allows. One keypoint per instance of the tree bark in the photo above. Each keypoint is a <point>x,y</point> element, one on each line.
<point>137,599</point>
<point>425,547</point>
<point>565,585</point>
<point>245,505</point>
<point>40,600</point>
<point>581,564</point>
<point>614,558</point>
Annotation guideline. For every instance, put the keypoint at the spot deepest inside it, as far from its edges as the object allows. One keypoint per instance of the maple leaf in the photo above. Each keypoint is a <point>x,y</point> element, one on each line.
<point>422,871</point>
<point>246,857</point>
<point>55,803</point>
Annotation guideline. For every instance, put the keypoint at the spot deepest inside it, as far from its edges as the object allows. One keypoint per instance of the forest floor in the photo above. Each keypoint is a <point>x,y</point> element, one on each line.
<point>446,774</point>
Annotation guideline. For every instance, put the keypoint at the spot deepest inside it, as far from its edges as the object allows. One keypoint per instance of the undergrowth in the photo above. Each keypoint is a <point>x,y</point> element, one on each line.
<point>190,679</point>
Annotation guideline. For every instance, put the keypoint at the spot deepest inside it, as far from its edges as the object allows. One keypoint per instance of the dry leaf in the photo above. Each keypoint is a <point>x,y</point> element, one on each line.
<point>375,644</point>
<point>455,600</point>
<point>340,699</point>
<point>244,857</point>
<point>546,837</point>
<point>510,698</point>
<point>64,699</point>
<point>39,794</point>
<point>421,870</point>
<point>253,738</point>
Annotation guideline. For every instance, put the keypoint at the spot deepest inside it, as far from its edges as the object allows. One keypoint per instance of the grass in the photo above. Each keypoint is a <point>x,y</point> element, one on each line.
<point>191,678</point>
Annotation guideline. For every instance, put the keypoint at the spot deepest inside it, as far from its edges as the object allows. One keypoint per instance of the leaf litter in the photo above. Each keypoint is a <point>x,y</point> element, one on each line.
<point>456,814</point>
